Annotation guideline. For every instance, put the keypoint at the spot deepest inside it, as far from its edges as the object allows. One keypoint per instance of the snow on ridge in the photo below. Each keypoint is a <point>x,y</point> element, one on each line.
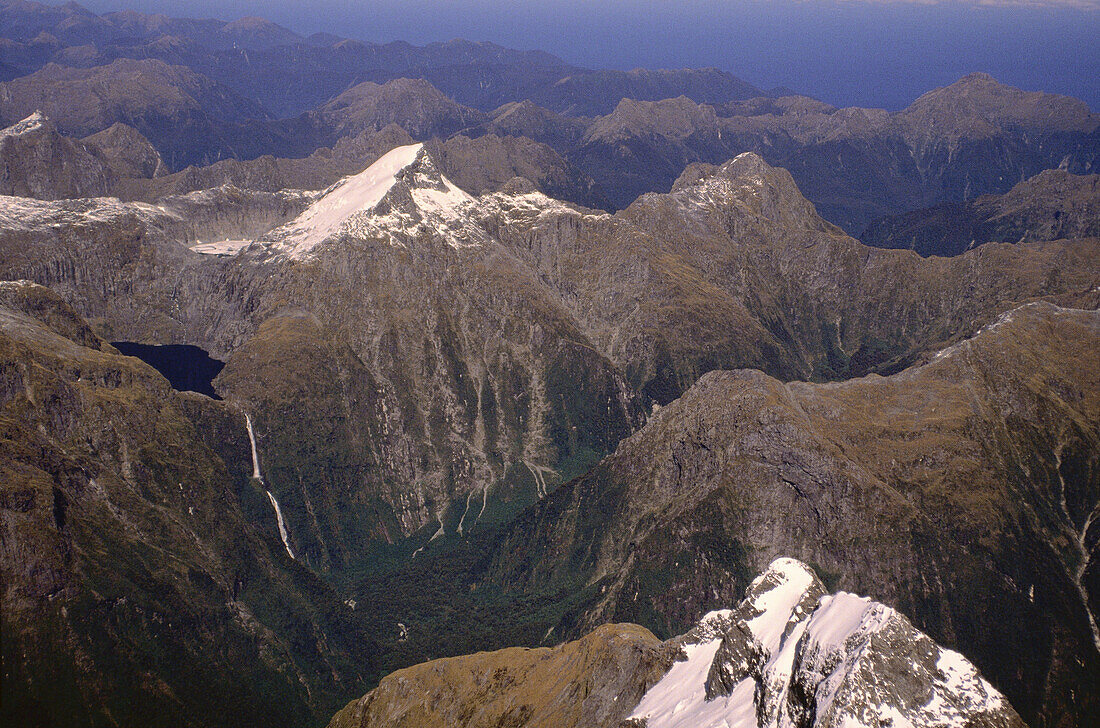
<point>679,698</point>
<point>776,605</point>
<point>1006,317</point>
<point>32,123</point>
<point>30,214</point>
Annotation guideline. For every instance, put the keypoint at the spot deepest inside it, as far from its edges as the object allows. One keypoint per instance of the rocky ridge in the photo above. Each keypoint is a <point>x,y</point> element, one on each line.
<point>202,101</point>
<point>39,162</point>
<point>789,655</point>
<point>973,137</point>
<point>741,232</point>
<point>289,74</point>
<point>408,394</point>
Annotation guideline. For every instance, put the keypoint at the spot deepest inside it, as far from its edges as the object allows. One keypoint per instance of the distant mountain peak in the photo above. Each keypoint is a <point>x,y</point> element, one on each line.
<point>749,189</point>
<point>977,77</point>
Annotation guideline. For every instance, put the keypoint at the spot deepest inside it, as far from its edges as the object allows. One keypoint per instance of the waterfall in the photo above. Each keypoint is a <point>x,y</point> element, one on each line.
<point>282,524</point>
<point>256,474</point>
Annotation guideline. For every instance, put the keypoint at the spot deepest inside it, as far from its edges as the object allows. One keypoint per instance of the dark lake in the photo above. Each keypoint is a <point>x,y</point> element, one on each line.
<point>185,366</point>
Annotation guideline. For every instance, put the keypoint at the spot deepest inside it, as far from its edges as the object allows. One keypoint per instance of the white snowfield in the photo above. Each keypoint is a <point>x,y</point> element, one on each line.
<point>426,205</point>
<point>827,651</point>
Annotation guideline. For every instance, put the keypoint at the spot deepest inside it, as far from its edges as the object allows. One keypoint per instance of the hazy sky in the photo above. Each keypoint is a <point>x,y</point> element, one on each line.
<point>871,53</point>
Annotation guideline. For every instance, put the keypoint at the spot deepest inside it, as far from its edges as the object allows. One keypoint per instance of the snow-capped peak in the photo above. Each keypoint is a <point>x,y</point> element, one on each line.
<point>350,195</point>
<point>791,655</point>
<point>400,190</point>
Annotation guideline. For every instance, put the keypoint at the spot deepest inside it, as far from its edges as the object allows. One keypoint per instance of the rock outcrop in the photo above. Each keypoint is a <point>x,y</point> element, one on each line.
<point>792,656</point>
<point>922,489</point>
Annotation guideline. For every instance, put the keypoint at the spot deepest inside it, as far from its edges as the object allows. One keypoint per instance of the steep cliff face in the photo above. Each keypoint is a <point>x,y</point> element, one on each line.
<point>789,655</point>
<point>143,574</point>
<point>734,268</point>
<point>127,152</point>
<point>464,390</point>
<point>792,656</point>
<point>922,489</point>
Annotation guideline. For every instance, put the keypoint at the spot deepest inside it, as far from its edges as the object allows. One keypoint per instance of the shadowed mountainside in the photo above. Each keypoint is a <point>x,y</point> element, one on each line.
<point>1051,205</point>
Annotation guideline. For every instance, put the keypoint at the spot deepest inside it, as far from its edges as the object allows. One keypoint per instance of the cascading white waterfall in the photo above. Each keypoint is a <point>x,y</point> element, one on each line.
<point>256,474</point>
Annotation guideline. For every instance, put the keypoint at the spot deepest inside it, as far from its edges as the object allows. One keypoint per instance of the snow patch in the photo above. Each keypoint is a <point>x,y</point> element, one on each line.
<point>362,206</point>
<point>32,123</point>
<point>679,699</point>
<point>827,650</point>
<point>777,605</point>
<point>221,248</point>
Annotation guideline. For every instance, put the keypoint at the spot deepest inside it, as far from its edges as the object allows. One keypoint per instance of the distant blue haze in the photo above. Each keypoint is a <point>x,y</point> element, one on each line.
<point>846,53</point>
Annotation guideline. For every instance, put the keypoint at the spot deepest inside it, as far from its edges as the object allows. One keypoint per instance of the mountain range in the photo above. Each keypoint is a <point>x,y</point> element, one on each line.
<point>201,92</point>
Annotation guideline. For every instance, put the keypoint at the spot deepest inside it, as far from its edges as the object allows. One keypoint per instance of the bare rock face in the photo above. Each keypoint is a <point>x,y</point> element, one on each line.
<point>894,486</point>
<point>39,162</point>
<point>486,393</point>
<point>775,604</point>
<point>515,339</point>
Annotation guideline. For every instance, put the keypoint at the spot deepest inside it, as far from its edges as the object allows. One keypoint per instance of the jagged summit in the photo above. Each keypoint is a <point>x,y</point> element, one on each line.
<point>400,190</point>
<point>792,655</point>
<point>748,186</point>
